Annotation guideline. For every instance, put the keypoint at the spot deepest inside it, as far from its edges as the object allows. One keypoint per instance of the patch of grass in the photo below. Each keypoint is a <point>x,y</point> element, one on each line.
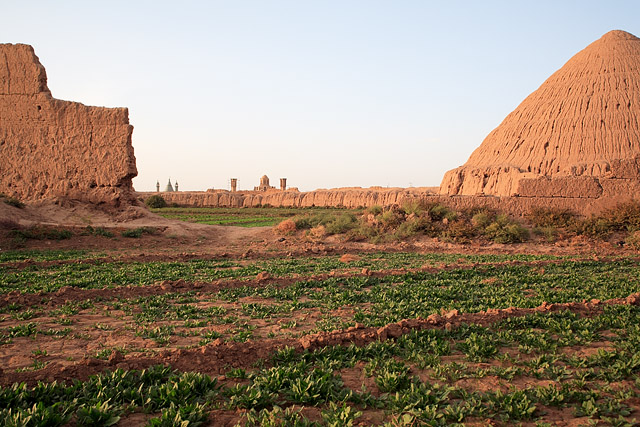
<point>42,233</point>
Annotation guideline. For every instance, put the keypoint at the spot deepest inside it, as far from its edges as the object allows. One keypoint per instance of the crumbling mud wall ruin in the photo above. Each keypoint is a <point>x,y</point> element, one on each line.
<point>366,197</point>
<point>52,149</point>
<point>577,137</point>
<point>349,197</point>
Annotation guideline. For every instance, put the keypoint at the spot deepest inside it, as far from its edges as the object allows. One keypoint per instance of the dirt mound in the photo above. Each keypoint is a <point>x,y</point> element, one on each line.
<point>575,136</point>
<point>51,148</point>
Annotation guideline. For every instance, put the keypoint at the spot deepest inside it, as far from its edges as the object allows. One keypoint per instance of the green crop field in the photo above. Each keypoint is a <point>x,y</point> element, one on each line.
<point>312,342</point>
<point>240,217</point>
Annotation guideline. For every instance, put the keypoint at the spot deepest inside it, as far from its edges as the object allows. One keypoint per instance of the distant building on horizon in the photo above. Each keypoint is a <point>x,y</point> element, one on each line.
<point>265,186</point>
<point>169,188</point>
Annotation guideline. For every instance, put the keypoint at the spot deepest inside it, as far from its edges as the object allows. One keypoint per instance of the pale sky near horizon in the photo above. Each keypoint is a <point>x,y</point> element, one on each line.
<point>328,93</point>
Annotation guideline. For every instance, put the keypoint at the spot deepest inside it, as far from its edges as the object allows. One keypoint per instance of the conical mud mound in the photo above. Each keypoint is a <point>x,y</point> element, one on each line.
<point>578,135</point>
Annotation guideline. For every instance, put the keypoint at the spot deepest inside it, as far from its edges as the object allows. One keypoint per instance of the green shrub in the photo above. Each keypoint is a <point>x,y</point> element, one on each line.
<point>363,231</point>
<point>482,219</point>
<point>302,222</point>
<point>341,224</point>
<point>390,219</point>
<point>413,207</point>
<point>375,210</point>
<point>438,212</point>
<point>406,229</point>
<point>594,226</point>
<point>156,201</point>
<point>506,230</point>
<point>97,231</point>
<point>138,232</point>
<point>333,223</point>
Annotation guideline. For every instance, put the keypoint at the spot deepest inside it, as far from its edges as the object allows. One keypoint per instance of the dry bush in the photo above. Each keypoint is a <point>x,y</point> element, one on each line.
<point>286,227</point>
<point>625,216</point>
<point>633,240</point>
<point>546,217</point>
<point>318,232</point>
<point>459,231</point>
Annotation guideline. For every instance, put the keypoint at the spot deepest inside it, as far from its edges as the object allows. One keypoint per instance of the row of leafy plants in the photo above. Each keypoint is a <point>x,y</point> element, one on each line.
<point>35,278</point>
<point>415,380</point>
<point>332,303</point>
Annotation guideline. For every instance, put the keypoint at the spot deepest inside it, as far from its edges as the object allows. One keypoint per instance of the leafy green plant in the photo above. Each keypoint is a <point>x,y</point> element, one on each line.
<point>278,417</point>
<point>340,415</point>
<point>40,414</point>
<point>389,380</point>
<point>99,414</point>
<point>478,347</point>
<point>191,415</point>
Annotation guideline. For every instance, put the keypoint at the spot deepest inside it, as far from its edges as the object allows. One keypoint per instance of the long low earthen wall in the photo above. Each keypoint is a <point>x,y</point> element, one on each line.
<point>622,190</point>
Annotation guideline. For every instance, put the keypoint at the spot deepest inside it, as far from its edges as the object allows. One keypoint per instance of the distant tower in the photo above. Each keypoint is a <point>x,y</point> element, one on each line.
<point>234,185</point>
<point>176,185</point>
<point>157,186</point>
<point>283,184</point>
<point>169,187</point>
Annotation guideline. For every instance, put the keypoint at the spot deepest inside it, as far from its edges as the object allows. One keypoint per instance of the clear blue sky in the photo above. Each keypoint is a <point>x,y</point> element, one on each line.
<point>326,93</point>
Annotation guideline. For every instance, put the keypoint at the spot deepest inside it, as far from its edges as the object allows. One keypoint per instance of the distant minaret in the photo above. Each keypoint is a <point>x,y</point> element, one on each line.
<point>176,186</point>
<point>157,186</point>
<point>283,184</point>
<point>234,184</point>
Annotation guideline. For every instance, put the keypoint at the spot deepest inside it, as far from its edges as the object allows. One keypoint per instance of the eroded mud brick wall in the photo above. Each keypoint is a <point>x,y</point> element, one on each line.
<point>51,148</point>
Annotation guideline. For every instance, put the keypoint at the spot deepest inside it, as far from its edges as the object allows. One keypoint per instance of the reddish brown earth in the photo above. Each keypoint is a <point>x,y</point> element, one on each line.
<point>578,135</point>
<point>216,357</point>
<point>51,148</point>
<point>101,328</point>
